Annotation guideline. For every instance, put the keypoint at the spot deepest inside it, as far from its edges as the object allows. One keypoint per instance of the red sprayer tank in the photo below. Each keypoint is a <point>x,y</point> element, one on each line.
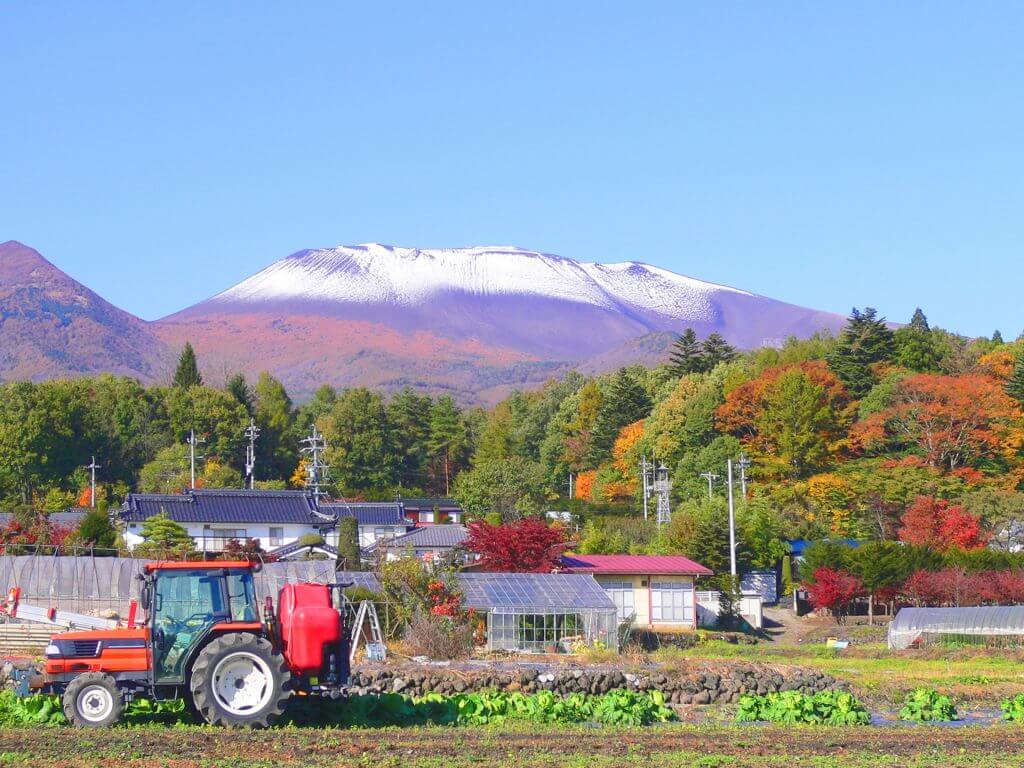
<point>307,622</point>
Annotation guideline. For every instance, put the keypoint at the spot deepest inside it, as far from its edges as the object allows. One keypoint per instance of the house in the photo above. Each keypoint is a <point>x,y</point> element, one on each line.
<point>431,510</point>
<point>429,543</point>
<point>70,518</point>
<point>377,520</point>
<point>278,519</point>
<point>655,591</point>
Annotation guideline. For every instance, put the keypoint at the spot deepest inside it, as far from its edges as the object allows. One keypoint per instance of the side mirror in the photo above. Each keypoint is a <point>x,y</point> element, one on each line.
<point>146,597</point>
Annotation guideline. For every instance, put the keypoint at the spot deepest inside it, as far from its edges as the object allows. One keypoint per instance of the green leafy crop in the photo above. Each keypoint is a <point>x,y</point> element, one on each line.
<point>926,705</point>
<point>793,707</point>
<point>1013,709</point>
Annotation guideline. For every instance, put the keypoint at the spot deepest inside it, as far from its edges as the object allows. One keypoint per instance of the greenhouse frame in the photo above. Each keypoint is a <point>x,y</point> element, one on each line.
<point>1000,625</point>
<point>542,612</point>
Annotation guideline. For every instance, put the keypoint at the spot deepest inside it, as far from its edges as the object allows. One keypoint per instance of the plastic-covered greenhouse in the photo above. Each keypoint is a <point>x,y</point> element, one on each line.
<point>1001,625</point>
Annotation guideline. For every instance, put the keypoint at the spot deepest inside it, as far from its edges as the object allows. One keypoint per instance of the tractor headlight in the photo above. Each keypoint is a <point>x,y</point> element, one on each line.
<point>53,651</point>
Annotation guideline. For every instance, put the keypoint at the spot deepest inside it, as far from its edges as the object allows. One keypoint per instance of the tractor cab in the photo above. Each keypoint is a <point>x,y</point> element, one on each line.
<point>185,602</point>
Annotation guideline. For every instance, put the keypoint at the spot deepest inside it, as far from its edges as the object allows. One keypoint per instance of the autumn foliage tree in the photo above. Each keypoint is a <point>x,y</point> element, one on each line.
<point>939,524</point>
<point>952,421</point>
<point>834,590</point>
<point>529,545</point>
<point>790,415</point>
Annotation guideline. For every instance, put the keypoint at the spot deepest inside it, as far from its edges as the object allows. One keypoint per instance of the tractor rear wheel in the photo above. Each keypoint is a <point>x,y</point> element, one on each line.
<point>239,680</point>
<point>93,700</point>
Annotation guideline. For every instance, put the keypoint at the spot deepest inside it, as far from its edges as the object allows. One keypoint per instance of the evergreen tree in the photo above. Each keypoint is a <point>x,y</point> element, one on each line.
<point>409,414</point>
<point>187,373</point>
<point>997,337</point>
<point>916,345</point>
<point>162,537</point>
<point>715,350</point>
<point>626,402</point>
<point>96,530</point>
<point>1015,386</point>
<point>276,452</point>
<point>239,389</point>
<point>348,545</point>
<point>865,340</point>
<point>685,357</point>
<point>447,441</point>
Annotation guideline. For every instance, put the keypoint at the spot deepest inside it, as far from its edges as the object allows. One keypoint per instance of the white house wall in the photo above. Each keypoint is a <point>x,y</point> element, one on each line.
<point>215,534</point>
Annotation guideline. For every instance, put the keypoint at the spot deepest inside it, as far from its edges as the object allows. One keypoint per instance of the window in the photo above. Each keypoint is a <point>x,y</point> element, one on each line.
<point>621,593</point>
<point>276,537</point>
<point>427,516</point>
<point>454,517</point>
<point>382,533</point>
<point>672,601</point>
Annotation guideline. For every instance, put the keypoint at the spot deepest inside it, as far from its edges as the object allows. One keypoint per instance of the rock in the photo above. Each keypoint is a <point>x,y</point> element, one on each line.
<point>702,697</point>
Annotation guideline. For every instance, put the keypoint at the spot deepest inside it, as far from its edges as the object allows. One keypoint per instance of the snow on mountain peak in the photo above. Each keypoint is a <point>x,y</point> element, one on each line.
<point>377,273</point>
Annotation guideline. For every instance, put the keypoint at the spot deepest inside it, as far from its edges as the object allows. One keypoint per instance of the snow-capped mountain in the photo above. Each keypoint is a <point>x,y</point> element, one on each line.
<point>371,273</point>
<point>473,320</point>
<point>516,298</point>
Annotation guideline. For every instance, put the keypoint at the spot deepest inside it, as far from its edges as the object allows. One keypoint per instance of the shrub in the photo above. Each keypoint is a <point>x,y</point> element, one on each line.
<point>926,705</point>
<point>439,637</point>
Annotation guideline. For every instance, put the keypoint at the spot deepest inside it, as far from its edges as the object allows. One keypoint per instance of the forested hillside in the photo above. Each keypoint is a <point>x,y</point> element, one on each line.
<point>914,434</point>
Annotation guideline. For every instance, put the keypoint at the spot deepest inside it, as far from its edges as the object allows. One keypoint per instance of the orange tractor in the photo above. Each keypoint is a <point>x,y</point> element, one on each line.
<point>203,640</point>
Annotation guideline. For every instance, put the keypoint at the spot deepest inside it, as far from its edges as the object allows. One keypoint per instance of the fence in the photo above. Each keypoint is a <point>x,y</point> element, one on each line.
<point>750,609</point>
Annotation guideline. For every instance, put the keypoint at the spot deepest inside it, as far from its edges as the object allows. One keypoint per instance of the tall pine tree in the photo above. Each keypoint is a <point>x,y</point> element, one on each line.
<point>239,389</point>
<point>1015,386</point>
<point>715,350</point>
<point>865,340</point>
<point>187,373</point>
<point>685,357</point>
<point>997,337</point>
<point>626,402</point>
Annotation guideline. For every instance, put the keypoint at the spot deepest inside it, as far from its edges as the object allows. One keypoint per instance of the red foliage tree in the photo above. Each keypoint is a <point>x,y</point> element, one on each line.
<point>834,590</point>
<point>529,545</point>
<point>936,523</point>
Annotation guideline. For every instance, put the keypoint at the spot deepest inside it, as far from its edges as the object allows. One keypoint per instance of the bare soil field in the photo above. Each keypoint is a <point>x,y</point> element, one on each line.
<point>676,745</point>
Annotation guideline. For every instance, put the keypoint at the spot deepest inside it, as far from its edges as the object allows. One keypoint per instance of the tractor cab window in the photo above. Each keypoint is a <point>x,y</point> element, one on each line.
<point>187,604</point>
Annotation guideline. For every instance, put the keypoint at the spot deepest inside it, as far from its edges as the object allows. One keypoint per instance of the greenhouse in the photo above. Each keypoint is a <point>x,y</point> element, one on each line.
<point>1001,625</point>
<point>541,612</point>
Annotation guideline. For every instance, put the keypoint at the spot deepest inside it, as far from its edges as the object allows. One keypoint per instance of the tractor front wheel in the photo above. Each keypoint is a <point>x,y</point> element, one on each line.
<point>93,700</point>
<point>239,680</point>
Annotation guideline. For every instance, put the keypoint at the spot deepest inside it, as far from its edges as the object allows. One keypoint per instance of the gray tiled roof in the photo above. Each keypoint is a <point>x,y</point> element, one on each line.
<point>71,517</point>
<point>224,506</point>
<point>368,513</point>
<point>428,537</point>
<point>295,546</point>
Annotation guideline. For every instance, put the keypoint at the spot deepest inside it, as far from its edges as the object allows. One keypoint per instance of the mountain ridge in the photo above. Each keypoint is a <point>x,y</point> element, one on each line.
<point>475,322</point>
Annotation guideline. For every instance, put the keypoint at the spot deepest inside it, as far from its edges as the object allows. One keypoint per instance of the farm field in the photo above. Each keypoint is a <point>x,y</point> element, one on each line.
<point>877,674</point>
<point>675,745</point>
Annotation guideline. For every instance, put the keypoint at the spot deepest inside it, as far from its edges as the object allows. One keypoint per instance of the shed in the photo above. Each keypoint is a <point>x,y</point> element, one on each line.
<point>1001,625</point>
<point>541,612</point>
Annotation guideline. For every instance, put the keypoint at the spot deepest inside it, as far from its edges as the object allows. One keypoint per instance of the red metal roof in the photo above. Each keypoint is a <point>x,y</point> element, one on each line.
<point>634,564</point>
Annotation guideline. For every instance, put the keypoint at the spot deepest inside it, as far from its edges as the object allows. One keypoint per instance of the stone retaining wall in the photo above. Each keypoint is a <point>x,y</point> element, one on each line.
<point>707,687</point>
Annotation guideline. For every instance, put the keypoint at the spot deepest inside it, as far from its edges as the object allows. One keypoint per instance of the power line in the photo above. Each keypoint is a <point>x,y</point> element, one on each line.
<point>711,477</point>
<point>92,466</point>
<point>316,469</point>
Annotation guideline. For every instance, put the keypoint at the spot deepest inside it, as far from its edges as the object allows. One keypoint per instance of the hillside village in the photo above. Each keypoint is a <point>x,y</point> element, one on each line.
<point>878,468</point>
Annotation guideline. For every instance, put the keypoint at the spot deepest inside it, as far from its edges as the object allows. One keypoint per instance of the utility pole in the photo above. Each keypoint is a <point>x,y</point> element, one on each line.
<point>92,466</point>
<point>251,432</point>
<point>711,477</point>
<point>662,487</point>
<point>571,496</point>
<point>644,468</point>
<point>193,441</point>
<point>744,465</point>
<point>316,469</point>
<point>732,524</point>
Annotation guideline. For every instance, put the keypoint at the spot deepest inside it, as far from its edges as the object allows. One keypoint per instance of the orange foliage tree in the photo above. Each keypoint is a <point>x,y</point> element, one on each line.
<point>585,484</point>
<point>952,420</point>
<point>791,414</point>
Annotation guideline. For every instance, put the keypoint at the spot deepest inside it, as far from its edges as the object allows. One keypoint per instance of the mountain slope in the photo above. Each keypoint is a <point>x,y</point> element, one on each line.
<point>510,298</point>
<point>53,326</point>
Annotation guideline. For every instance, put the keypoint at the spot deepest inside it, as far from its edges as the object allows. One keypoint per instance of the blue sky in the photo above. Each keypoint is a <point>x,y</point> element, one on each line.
<point>826,154</point>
